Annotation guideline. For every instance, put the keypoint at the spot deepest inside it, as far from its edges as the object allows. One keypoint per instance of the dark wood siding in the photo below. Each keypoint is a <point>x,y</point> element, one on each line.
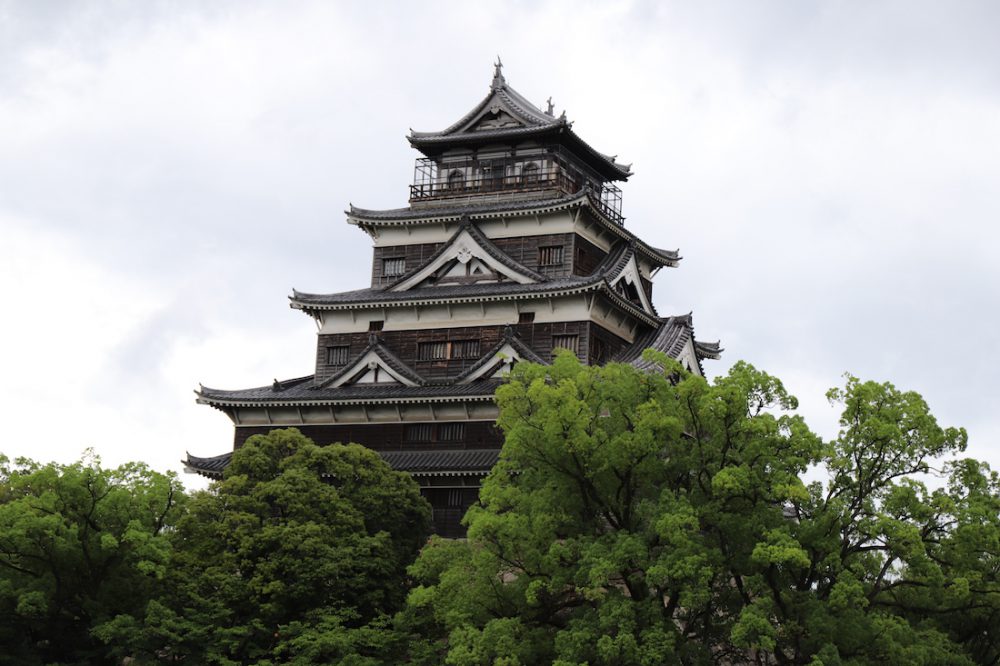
<point>586,256</point>
<point>524,250</point>
<point>604,345</point>
<point>406,345</point>
<point>385,436</point>
<point>415,255</point>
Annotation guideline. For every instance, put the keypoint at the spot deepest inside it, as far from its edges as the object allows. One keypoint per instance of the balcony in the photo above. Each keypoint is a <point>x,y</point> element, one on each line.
<point>521,177</point>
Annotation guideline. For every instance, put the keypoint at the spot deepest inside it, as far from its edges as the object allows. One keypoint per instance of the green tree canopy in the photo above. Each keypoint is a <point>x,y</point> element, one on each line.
<point>298,555</point>
<point>81,549</point>
<point>654,518</point>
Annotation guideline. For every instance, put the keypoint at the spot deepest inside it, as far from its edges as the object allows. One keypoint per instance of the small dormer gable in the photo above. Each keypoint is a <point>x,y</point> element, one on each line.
<point>498,362</point>
<point>628,284</point>
<point>469,257</point>
<point>376,365</point>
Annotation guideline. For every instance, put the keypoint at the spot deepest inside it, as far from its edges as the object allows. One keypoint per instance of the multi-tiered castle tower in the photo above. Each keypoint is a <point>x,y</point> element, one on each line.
<point>513,246</point>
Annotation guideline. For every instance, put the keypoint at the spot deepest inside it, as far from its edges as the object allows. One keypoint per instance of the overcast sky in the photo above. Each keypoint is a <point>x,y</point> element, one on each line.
<point>169,172</point>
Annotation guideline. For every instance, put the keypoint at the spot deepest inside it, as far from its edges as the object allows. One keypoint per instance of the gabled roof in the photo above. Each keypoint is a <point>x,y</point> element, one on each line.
<point>584,198</point>
<point>670,337</point>
<point>506,114</point>
<point>598,281</point>
<point>511,346</point>
<point>375,354</point>
<point>466,243</point>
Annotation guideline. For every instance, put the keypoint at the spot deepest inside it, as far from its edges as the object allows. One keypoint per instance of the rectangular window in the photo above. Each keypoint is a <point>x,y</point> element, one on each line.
<point>451,432</point>
<point>570,342</point>
<point>338,355</point>
<point>418,432</point>
<point>455,497</point>
<point>376,325</point>
<point>432,351</point>
<point>526,318</point>
<point>465,349</point>
<point>550,256</point>
<point>393,266</point>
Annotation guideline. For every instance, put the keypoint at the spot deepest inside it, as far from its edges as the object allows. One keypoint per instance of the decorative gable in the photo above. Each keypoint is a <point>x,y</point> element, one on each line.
<point>628,285</point>
<point>468,258</point>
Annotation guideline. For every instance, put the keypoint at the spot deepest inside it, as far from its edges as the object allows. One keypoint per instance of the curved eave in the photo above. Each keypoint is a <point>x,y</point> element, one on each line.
<point>431,144</point>
<point>310,307</point>
<point>222,402</point>
<point>369,220</point>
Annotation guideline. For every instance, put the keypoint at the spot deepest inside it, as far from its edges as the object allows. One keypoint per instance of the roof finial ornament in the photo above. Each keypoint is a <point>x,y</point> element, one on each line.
<point>498,79</point>
<point>551,108</point>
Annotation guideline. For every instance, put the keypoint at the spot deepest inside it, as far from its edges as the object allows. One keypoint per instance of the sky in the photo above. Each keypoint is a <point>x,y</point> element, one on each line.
<point>170,171</point>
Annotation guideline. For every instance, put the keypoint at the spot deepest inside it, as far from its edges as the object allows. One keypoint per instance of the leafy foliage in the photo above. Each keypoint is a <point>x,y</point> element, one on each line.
<point>297,556</point>
<point>653,518</point>
<point>82,549</point>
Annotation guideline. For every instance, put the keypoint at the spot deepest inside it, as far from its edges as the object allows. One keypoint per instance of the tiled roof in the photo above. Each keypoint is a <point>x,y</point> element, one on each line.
<point>533,121</point>
<point>670,338</point>
<point>485,243</point>
<point>306,392</point>
<point>524,351</point>
<point>365,217</point>
<point>391,360</point>
<point>418,463</point>
<point>442,462</point>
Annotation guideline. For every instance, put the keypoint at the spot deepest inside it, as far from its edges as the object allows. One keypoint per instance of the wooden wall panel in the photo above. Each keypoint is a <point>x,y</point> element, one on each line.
<point>384,436</point>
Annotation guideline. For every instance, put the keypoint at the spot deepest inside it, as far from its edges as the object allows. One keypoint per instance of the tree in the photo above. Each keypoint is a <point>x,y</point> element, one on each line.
<point>81,549</point>
<point>654,518</point>
<point>298,555</point>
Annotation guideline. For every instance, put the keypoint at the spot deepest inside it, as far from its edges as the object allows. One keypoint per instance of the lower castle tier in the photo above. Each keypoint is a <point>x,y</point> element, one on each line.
<point>509,250</point>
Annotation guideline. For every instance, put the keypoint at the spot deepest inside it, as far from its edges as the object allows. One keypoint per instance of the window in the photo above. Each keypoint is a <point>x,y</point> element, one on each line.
<point>465,349</point>
<point>393,266</point>
<point>455,497</point>
<point>376,325</point>
<point>529,174</point>
<point>550,256</point>
<point>418,432</point>
<point>456,179</point>
<point>598,350</point>
<point>432,351</point>
<point>525,317</point>
<point>451,432</point>
<point>338,355</point>
<point>570,342</point>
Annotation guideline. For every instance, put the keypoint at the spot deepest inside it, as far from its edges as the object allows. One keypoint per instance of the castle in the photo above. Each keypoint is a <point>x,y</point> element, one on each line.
<point>512,246</point>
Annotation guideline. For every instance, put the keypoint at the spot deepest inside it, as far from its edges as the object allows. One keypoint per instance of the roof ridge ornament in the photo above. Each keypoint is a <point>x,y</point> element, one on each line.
<point>551,109</point>
<point>498,80</point>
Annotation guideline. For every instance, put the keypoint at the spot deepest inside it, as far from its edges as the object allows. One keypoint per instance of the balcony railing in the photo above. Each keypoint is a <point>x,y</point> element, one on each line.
<point>472,179</point>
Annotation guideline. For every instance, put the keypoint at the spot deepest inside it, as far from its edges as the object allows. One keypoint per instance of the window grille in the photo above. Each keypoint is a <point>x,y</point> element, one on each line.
<point>432,351</point>
<point>455,497</point>
<point>526,318</point>
<point>550,256</point>
<point>451,432</point>
<point>393,266</point>
<point>465,349</point>
<point>570,342</point>
<point>418,432</point>
<point>338,355</point>
<point>376,325</point>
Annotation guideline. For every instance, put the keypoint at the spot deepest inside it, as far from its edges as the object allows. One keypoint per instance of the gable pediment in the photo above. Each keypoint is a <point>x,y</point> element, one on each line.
<point>494,118</point>
<point>496,365</point>
<point>628,285</point>
<point>468,258</point>
<point>371,368</point>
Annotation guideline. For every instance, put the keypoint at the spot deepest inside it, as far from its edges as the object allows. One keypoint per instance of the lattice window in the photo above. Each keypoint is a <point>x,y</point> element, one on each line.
<point>393,266</point>
<point>419,432</point>
<point>525,317</point>
<point>376,325</point>
<point>570,342</point>
<point>338,355</point>
<point>451,432</point>
<point>432,351</point>
<point>550,256</point>
<point>465,349</point>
